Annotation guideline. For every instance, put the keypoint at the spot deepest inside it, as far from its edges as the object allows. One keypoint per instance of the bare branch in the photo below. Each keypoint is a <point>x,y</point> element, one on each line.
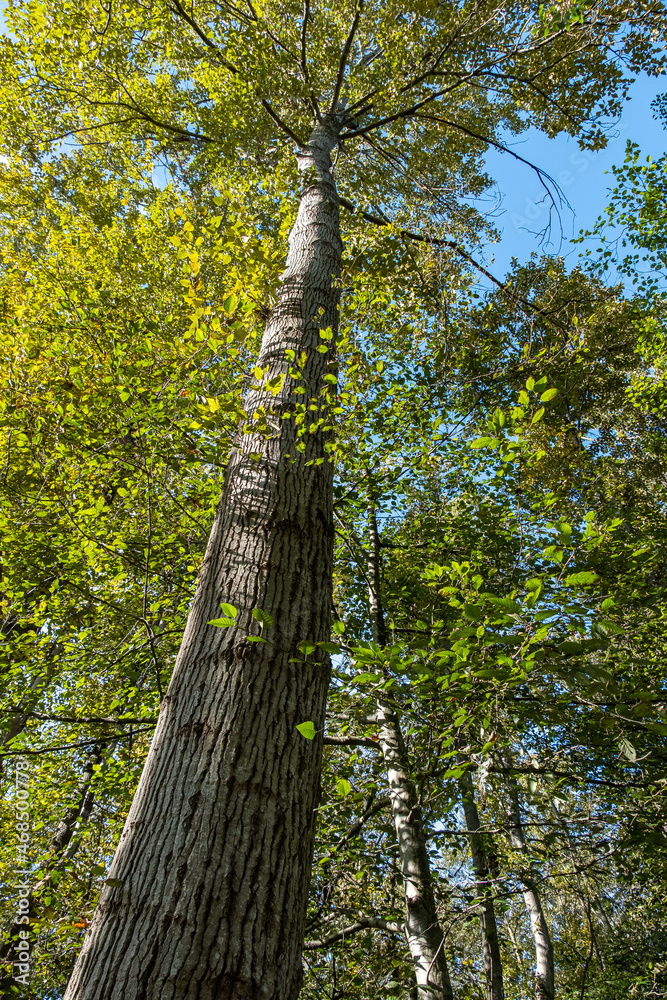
<point>98,741</point>
<point>344,56</point>
<point>72,720</point>
<point>542,174</point>
<point>391,926</point>
<point>351,741</point>
<point>282,125</point>
<point>451,245</point>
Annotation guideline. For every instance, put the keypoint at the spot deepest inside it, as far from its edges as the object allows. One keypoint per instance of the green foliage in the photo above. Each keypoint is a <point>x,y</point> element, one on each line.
<point>514,450</point>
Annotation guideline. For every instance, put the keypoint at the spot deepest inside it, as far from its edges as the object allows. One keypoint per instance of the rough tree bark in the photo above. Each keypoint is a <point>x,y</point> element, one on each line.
<point>544,953</point>
<point>422,928</point>
<point>211,875</point>
<point>493,968</point>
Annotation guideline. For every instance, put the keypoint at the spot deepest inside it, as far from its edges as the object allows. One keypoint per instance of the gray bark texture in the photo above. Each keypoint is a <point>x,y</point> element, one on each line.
<point>210,880</point>
<point>493,969</point>
<point>422,928</point>
<point>544,953</point>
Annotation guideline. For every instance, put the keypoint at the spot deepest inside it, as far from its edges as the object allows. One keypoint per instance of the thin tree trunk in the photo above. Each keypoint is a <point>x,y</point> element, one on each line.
<point>422,928</point>
<point>544,953</point>
<point>493,969</point>
<point>213,866</point>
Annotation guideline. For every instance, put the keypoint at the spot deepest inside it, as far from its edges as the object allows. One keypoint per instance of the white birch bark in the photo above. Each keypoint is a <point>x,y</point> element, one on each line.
<point>493,969</point>
<point>422,928</point>
<point>210,880</point>
<point>544,954</point>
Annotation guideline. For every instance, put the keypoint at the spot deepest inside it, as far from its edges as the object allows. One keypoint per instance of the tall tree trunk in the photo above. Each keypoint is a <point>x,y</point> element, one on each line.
<point>493,969</point>
<point>422,928</point>
<point>212,871</point>
<point>544,953</point>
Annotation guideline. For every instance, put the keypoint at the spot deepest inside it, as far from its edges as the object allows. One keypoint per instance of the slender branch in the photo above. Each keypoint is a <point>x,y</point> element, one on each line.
<point>450,244</point>
<point>354,829</point>
<point>72,720</point>
<point>542,174</point>
<point>406,113</point>
<point>344,56</point>
<point>351,741</point>
<point>209,43</point>
<point>281,124</point>
<point>23,752</point>
<point>392,926</point>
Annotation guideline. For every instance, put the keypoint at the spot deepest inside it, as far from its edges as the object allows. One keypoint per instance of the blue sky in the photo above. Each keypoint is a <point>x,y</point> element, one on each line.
<point>523,210</point>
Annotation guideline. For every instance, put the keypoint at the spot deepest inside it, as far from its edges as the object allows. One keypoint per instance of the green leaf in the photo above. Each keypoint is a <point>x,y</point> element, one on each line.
<point>570,648</point>
<point>255,638</point>
<point>230,303</point>
<point>538,416</point>
<point>338,627</point>
<point>306,647</point>
<point>329,647</point>
<point>505,604</point>
<point>530,384</point>
<point>228,610</point>
<point>581,579</point>
<point>627,749</point>
<point>266,621</point>
<point>343,787</point>
<point>549,394</point>
<point>222,622</point>
<point>307,729</point>
<point>485,442</point>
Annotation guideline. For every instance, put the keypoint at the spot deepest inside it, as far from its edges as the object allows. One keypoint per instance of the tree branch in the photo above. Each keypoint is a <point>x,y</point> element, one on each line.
<point>391,926</point>
<point>351,741</point>
<point>344,56</point>
<point>182,13</point>
<point>98,741</point>
<point>450,244</point>
<point>282,125</point>
<point>542,174</point>
<point>73,720</point>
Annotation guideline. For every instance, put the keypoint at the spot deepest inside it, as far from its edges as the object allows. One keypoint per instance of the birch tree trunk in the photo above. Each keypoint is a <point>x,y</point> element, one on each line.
<point>544,953</point>
<point>493,969</point>
<point>422,928</point>
<point>210,880</point>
